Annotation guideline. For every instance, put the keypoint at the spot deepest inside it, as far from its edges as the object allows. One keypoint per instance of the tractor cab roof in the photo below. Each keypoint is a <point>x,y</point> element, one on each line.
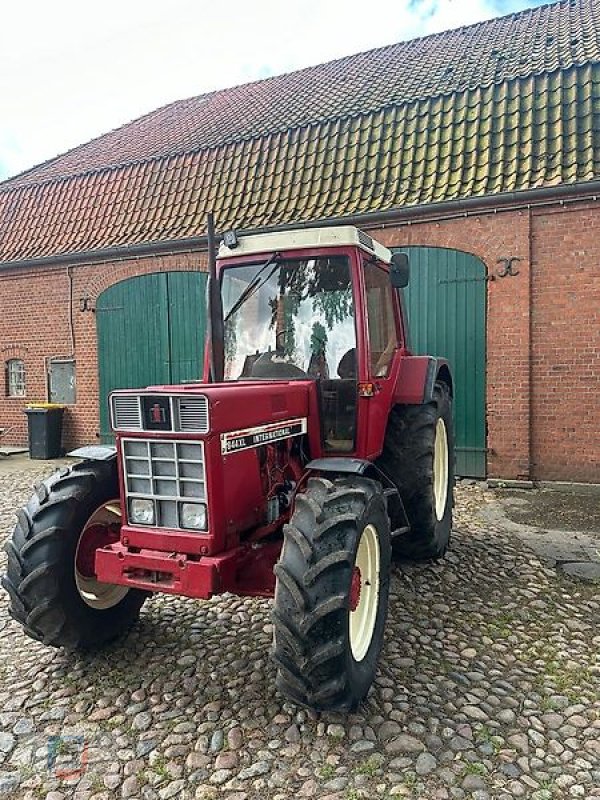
<point>304,239</point>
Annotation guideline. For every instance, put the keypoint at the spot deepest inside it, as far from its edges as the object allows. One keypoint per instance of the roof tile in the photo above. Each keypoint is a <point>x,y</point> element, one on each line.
<point>286,149</point>
<point>543,39</point>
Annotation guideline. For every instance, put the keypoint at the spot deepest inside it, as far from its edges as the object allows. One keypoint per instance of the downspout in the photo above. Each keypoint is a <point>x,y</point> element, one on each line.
<point>530,378</point>
<point>71,324</point>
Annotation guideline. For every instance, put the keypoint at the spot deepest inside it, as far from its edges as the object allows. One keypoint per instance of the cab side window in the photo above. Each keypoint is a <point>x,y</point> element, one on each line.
<point>381,321</point>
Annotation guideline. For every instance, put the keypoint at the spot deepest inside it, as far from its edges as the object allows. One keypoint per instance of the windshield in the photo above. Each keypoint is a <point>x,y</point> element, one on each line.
<point>288,319</point>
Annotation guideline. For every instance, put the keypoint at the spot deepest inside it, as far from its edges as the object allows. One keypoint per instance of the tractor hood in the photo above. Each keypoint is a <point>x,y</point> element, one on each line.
<point>243,414</point>
<point>209,444</point>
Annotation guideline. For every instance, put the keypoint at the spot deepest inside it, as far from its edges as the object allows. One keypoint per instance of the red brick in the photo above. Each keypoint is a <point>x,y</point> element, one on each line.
<point>560,441</point>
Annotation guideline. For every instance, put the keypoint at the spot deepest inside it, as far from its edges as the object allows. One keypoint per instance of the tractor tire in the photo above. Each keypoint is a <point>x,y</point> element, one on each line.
<point>53,600</point>
<point>418,456</point>
<point>331,595</point>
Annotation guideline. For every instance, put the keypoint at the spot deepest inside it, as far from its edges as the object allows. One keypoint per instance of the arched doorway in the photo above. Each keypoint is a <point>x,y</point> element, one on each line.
<point>151,330</point>
<point>446,301</point>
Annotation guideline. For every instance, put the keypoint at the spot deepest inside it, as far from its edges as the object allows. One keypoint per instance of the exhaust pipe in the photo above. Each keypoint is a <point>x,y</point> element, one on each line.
<point>216,330</point>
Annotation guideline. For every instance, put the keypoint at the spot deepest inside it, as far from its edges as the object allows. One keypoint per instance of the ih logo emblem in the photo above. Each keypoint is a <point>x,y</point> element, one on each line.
<point>157,414</point>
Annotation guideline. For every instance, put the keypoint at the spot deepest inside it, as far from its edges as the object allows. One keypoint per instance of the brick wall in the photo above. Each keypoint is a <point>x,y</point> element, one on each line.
<point>566,343</point>
<point>560,436</point>
<point>560,439</point>
<point>34,326</point>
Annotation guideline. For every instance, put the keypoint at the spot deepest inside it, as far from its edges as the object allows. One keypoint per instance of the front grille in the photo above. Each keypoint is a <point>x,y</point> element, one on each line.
<point>169,473</point>
<point>127,413</point>
<point>192,414</point>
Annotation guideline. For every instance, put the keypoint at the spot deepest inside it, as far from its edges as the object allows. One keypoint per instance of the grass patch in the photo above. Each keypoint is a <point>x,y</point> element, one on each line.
<point>501,625</point>
<point>368,767</point>
<point>487,736</point>
<point>547,788</point>
<point>547,704</point>
<point>159,767</point>
<point>96,784</point>
<point>410,780</point>
<point>327,772</point>
<point>557,677</point>
<point>572,682</point>
<point>474,768</point>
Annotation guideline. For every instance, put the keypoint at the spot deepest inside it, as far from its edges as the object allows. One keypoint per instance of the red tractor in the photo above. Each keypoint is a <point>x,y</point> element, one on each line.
<point>315,448</point>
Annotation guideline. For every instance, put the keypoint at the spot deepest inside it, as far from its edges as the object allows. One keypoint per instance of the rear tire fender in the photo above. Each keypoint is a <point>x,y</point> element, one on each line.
<point>408,458</point>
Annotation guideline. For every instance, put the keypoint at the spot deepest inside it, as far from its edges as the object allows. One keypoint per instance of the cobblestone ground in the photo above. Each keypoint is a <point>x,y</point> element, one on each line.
<point>489,687</point>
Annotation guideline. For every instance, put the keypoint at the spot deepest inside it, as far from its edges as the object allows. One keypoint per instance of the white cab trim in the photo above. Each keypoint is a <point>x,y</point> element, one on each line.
<point>304,239</point>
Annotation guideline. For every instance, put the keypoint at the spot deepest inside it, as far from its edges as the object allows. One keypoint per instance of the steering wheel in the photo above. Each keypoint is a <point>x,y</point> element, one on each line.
<point>272,365</point>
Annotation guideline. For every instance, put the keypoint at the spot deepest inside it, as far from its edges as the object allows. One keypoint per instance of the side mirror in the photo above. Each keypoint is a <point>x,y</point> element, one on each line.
<point>399,271</point>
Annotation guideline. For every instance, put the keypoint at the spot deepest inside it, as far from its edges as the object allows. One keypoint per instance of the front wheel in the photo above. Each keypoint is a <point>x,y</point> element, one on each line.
<point>50,577</point>
<point>332,591</point>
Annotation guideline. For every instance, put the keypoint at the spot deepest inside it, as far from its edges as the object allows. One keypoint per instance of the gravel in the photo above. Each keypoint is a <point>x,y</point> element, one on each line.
<point>488,689</point>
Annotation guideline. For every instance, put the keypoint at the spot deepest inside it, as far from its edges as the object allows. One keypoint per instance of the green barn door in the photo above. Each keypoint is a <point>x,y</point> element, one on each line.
<point>446,301</point>
<point>187,324</point>
<point>150,330</point>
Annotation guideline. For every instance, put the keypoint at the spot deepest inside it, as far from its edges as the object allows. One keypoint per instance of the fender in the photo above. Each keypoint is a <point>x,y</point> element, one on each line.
<point>95,452</point>
<point>417,377</point>
<point>351,466</point>
<point>360,466</point>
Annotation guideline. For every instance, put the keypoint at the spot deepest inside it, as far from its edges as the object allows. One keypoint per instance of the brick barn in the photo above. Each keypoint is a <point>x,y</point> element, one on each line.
<point>476,150</point>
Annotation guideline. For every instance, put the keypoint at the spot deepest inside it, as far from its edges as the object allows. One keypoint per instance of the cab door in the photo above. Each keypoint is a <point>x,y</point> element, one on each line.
<point>383,337</point>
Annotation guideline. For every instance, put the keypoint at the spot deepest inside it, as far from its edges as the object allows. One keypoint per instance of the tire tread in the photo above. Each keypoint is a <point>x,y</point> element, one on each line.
<point>311,598</point>
<point>37,572</point>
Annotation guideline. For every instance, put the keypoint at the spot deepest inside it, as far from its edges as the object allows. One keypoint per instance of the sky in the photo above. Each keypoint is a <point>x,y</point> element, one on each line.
<point>71,70</point>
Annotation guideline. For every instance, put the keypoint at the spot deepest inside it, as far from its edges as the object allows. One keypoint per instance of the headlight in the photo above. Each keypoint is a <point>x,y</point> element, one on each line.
<point>141,512</point>
<point>193,515</point>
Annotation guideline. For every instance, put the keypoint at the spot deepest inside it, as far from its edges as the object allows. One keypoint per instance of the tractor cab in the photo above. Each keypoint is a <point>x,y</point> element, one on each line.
<point>315,304</point>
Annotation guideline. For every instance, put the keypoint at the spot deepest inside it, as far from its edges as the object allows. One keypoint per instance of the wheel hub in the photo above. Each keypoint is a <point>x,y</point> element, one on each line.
<point>364,593</point>
<point>93,537</point>
<point>355,589</point>
<point>102,528</point>
<point>440,469</point>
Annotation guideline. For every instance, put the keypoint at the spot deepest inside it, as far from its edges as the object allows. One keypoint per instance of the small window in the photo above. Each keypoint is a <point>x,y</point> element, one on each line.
<point>15,377</point>
<point>382,325</point>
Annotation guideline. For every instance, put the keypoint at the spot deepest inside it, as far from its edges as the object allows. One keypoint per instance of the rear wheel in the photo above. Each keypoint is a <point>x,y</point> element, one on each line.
<point>50,576</point>
<point>418,455</point>
<point>332,593</point>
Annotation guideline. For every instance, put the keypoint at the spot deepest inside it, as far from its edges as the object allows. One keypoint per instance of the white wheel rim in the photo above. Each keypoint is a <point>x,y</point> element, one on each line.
<point>364,616</point>
<point>93,593</point>
<point>440,469</point>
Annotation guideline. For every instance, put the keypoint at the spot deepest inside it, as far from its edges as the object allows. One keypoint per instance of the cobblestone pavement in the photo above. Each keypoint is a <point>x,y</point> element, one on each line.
<point>489,687</point>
